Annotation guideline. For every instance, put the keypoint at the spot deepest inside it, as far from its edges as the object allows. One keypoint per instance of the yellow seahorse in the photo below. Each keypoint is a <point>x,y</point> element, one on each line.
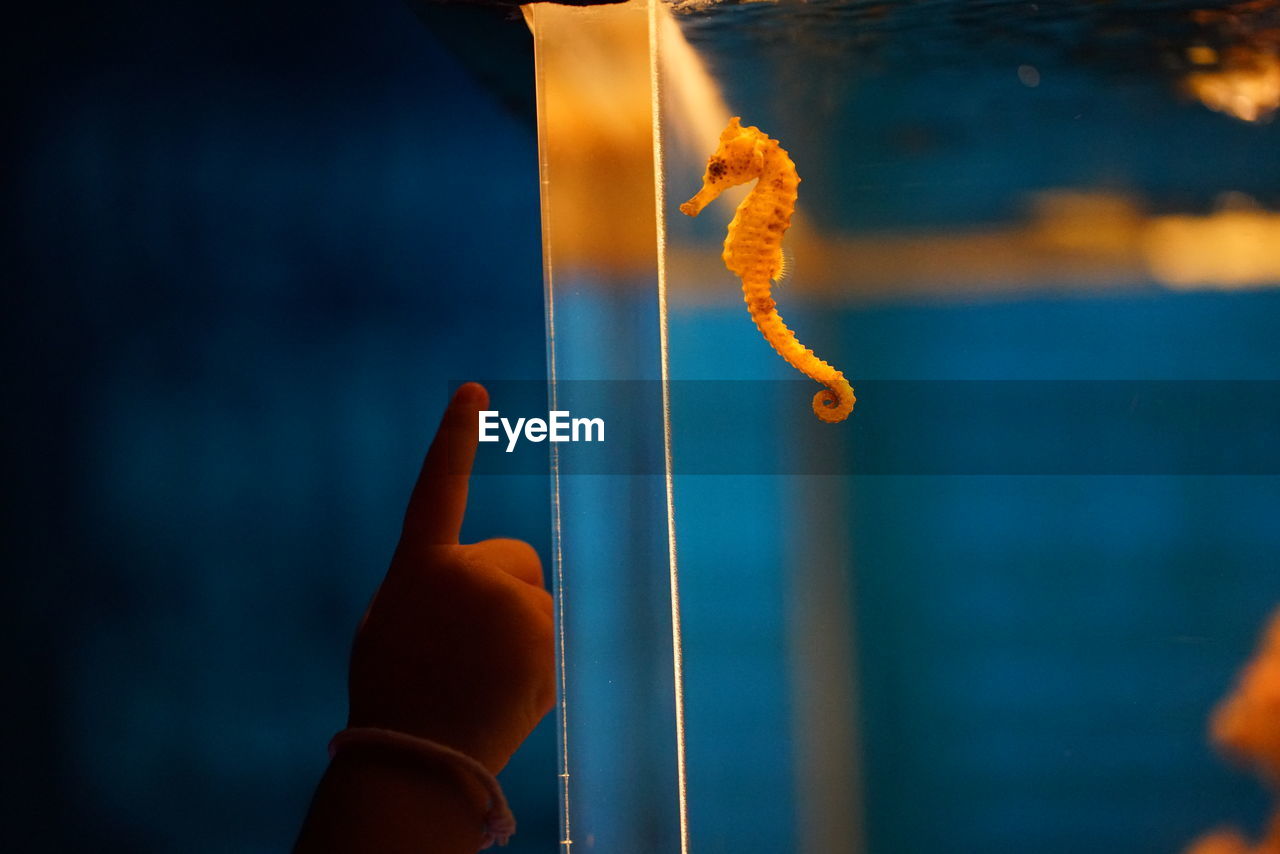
<point>753,247</point>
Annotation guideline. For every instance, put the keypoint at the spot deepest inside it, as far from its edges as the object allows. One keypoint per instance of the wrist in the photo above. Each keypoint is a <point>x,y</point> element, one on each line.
<point>378,801</point>
<point>386,770</point>
<point>441,767</point>
<point>467,734</point>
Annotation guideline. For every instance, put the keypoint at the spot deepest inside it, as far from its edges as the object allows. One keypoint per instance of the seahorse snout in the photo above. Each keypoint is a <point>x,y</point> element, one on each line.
<point>705,196</point>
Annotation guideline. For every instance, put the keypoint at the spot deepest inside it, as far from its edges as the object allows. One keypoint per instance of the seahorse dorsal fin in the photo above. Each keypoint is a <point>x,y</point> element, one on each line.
<point>785,266</point>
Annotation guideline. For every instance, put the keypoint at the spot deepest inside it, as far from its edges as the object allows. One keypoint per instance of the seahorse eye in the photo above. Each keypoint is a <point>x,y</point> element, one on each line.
<point>716,168</point>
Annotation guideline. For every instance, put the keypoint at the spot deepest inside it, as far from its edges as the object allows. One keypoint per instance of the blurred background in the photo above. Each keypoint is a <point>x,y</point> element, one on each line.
<point>250,246</point>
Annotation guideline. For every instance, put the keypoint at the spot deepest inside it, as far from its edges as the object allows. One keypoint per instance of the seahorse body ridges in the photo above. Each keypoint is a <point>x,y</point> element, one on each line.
<point>753,247</point>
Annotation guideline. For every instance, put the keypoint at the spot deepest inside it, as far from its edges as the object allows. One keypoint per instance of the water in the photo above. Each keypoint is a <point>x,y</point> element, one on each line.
<point>922,659</point>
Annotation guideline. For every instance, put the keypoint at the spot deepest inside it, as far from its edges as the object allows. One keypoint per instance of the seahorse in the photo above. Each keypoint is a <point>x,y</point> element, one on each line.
<point>753,247</point>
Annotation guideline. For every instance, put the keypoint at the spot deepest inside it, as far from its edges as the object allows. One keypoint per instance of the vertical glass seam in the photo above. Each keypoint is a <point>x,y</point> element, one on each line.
<point>677,651</point>
<point>557,557</point>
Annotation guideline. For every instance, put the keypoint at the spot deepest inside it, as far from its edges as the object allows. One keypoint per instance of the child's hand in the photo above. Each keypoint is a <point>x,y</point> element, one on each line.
<point>456,646</point>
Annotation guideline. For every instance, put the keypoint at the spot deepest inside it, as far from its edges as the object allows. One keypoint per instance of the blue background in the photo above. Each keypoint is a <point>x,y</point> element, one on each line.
<point>252,246</point>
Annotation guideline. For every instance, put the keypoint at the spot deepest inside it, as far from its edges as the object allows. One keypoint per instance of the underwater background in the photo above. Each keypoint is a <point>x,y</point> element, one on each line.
<point>252,246</point>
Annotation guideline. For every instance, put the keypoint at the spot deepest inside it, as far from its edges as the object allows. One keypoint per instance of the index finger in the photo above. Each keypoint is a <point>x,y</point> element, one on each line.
<point>439,499</point>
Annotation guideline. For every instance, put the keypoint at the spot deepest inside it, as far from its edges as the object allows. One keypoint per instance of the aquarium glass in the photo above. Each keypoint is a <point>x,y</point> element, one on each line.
<point>995,607</point>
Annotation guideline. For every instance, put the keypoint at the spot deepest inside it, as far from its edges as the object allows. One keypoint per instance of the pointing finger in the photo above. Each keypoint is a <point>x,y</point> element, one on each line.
<point>439,499</point>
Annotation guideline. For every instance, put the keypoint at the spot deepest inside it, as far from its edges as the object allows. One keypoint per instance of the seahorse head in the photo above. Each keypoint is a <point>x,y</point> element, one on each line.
<point>738,159</point>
